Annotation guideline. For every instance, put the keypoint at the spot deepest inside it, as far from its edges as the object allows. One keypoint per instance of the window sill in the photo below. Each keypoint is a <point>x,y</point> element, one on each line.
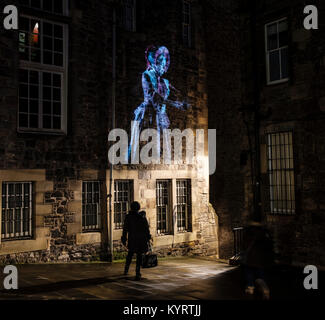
<point>42,132</point>
<point>273,83</point>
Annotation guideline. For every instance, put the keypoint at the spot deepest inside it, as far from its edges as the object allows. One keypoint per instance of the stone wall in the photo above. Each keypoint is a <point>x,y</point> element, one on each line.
<point>298,105</point>
<point>67,158</point>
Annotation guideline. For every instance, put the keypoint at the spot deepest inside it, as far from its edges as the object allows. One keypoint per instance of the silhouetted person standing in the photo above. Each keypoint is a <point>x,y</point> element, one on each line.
<point>136,232</point>
<point>258,258</point>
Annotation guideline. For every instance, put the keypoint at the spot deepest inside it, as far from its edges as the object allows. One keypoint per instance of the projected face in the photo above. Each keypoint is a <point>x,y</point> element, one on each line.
<point>161,64</point>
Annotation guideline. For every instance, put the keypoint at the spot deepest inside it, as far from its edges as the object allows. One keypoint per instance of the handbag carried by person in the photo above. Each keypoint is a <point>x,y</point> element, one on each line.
<point>150,259</point>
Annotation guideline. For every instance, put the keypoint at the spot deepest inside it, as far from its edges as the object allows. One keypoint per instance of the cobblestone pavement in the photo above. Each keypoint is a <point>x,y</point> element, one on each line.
<point>172,279</point>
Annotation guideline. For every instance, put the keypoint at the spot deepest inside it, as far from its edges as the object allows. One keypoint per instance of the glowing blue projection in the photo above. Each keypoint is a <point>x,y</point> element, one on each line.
<point>156,91</point>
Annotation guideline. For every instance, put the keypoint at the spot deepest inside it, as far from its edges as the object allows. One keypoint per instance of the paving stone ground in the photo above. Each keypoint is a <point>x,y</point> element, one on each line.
<point>173,279</point>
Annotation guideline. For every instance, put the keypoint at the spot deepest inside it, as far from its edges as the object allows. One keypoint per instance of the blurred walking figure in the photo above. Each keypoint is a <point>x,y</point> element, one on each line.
<point>137,235</point>
<point>257,258</point>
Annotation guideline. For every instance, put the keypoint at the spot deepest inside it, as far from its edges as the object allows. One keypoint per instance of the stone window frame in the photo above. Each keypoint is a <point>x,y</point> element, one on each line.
<point>42,68</point>
<point>91,227</point>
<point>267,52</point>
<point>22,235</point>
<point>130,197</point>
<point>279,167</point>
<point>186,24</point>
<point>185,204</point>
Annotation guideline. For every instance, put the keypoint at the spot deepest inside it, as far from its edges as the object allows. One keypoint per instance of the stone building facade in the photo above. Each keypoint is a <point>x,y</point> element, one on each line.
<point>56,112</point>
<point>271,128</point>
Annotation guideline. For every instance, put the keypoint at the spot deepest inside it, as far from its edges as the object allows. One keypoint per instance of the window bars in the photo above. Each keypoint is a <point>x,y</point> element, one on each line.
<point>281,172</point>
<point>123,196</point>
<point>163,206</point>
<point>183,205</point>
<point>91,213</point>
<point>16,219</point>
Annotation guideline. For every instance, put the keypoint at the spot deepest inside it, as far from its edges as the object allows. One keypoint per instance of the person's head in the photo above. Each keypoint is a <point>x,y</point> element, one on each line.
<point>135,206</point>
<point>162,60</point>
<point>150,56</point>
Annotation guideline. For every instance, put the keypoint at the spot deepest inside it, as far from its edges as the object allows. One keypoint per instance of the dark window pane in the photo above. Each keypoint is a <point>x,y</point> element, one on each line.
<point>57,80</point>
<point>283,33</point>
<point>33,121</point>
<point>33,92</point>
<point>24,2</point>
<point>23,90</point>
<point>47,29</point>
<point>57,108</point>
<point>47,57</point>
<point>58,7</point>
<point>47,79</point>
<point>47,93</point>
<point>23,105</point>
<point>58,59</point>
<point>23,76</point>
<point>33,106</point>
<point>56,122</point>
<point>58,31</point>
<point>23,53</point>
<point>36,3</point>
<point>272,37</point>
<point>35,55</point>
<point>58,45</point>
<point>48,43</point>
<point>274,65</point>
<point>47,122</point>
<point>23,120</point>
<point>48,5</point>
<point>47,107</point>
<point>57,94</point>
<point>23,24</point>
<point>284,63</point>
<point>33,77</point>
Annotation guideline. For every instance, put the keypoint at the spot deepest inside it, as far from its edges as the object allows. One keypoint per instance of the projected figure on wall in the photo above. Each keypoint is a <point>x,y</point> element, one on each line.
<point>157,91</point>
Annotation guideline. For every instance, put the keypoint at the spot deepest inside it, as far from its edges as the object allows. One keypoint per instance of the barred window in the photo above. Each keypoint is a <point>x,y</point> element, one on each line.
<point>276,34</point>
<point>42,75</point>
<point>123,196</point>
<point>281,173</point>
<point>129,15</point>
<point>186,23</point>
<point>91,213</point>
<point>163,199</point>
<point>183,205</point>
<point>17,208</point>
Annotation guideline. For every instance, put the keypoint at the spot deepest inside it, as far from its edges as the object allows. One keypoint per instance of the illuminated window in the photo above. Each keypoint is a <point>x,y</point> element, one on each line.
<point>276,34</point>
<point>17,206</point>
<point>164,212</point>
<point>281,173</point>
<point>91,213</point>
<point>42,75</point>
<point>183,205</point>
<point>123,196</point>
<point>129,15</point>
<point>186,23</point>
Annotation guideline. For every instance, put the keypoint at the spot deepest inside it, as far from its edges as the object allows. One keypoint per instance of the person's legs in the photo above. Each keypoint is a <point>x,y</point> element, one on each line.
<point>250,279</point>
<point>138,265</point>
<point>261,284</point>
<point>128,262</point>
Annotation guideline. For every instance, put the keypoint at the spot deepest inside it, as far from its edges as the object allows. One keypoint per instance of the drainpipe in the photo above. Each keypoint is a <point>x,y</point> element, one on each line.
<point>112,127</point>
<point>255,56</point>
